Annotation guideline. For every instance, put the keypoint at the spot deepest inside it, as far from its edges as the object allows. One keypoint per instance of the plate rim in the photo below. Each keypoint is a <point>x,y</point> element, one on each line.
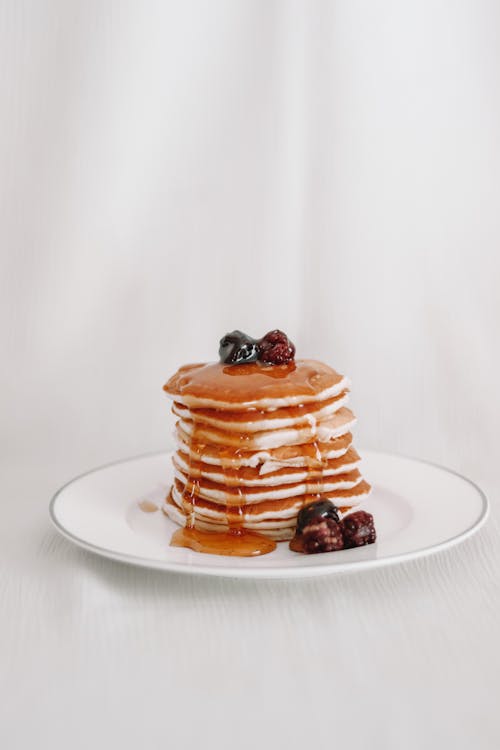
<point>278,572</point>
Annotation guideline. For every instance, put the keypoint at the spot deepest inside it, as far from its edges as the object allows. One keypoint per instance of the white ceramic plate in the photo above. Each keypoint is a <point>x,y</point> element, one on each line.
<point>419,508</point>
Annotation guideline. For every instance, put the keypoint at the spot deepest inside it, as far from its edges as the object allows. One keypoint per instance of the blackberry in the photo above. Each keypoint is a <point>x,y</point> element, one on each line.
<point>275,348</point>
<point>358,529</point>
<point>322,536</point>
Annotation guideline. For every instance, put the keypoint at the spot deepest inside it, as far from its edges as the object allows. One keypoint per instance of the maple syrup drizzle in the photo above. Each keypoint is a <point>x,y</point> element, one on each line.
<point>190,492</point>
<point>236,541</point>
<point>313,451</point>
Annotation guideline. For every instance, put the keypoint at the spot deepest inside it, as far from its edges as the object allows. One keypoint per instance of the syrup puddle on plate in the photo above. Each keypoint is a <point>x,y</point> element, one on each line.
<point>231,544</point>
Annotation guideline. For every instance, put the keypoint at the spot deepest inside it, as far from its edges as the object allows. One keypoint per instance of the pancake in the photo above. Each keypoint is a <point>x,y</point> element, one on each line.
<point>270,508</point>
<point>305,454</point>
<point>261,420</point>
<point>220,386</point>
<point>276,532</point>
<point>228,495</point>
<point>252,477</point>
<point>323,431</point>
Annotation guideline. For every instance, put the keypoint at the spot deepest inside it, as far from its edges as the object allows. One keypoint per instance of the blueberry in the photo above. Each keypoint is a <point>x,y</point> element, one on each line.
<point>237,348</point>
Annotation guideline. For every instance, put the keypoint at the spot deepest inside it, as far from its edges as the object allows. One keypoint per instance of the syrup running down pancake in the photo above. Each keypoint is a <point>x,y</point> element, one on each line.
<point>255,443</point>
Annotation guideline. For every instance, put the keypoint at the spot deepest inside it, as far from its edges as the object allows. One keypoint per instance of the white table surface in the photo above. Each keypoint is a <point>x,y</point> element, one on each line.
<point>99,654</point>
<point>174,170</point>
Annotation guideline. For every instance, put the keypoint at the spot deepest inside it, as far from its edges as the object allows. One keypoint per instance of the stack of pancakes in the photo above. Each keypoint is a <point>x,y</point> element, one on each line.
<point>255,443</point>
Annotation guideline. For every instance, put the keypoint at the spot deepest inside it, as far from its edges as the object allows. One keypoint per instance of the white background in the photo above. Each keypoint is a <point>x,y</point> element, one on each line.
<point>169,172</point>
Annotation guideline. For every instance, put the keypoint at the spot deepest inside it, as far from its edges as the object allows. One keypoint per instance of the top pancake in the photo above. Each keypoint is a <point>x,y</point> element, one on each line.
<point>254,385</point>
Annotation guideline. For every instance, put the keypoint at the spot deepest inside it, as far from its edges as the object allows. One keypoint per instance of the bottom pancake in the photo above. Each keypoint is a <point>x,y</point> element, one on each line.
<point>278,534</point>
